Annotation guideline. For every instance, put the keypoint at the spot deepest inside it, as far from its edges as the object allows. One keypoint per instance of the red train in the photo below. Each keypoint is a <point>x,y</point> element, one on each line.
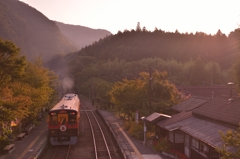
<point>64,121</point>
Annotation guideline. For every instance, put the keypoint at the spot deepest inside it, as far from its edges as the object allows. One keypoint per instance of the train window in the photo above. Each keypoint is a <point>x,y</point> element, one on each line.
<point>53,120</point>
<point>63,120</point>
<point>53,113</point>
<point>72,121</point>
<point>72,118</point>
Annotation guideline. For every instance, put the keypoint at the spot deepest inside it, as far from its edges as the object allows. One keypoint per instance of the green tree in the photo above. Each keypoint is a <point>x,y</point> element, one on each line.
<point>132,95</point>
<point>128,96</point>
<point>44,83</point>
<point>138,27</point>
<point>15,101</point>
<point>236,72</point>
<point>198,73</point>
<point>164,93</point>
<point>231,141</point>
<point>99,87</point>
<point>12,64</point>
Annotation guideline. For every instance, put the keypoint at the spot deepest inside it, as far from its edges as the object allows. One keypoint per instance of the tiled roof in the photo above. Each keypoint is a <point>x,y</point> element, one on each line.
<point>156,116</point>
<point>204,130</point>
<point>174,118</point>
<point>207,91</point>
<point>221,109</point>
<point>189,104</point>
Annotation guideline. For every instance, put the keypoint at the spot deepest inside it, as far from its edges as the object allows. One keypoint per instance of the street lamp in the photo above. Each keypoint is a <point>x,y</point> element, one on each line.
<point>144,129</point>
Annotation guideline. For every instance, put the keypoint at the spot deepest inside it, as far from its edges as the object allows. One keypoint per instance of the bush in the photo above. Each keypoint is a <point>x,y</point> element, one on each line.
<point>161,145</point>
<point>4,141</point>
<point>136,130</point>
<point>179,154</point>
<point>127,125</point>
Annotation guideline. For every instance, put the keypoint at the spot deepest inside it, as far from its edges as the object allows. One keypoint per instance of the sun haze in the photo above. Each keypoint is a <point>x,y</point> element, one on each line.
<point>169,15</point>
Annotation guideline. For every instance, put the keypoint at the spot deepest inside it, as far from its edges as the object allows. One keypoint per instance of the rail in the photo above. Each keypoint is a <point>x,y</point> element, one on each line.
<point>94,132</point>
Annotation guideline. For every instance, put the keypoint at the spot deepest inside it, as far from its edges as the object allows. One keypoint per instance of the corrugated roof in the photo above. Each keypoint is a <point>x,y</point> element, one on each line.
<point>174,118</point>
<point>204,130</point>
<point>189,104</point>
<point>221,109</point>
<point>156,116</point>
<point>207,91</point>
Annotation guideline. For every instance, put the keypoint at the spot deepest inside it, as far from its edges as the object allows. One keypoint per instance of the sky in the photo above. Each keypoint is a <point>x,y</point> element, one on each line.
<point>190,16</point>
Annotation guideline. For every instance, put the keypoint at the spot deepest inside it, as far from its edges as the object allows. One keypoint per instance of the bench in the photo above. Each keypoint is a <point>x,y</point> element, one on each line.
<point>20,136</point>
<point>9,148</point>
<point>29,128</point>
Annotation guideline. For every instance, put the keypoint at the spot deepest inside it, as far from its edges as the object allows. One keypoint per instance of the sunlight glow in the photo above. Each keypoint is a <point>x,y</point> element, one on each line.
<point>114,15</point>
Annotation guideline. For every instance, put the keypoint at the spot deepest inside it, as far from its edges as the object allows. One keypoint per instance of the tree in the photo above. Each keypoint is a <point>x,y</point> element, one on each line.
<point>43,82</point>
<point>198,73</point>
<point>128,96</point>
<point>164,94</point>
<point>99,87</point>
<point>213,73</point>
<point>236,69</point>
<point>231,147</point>
<point>15,102</point>
<point>138,28</point>
<point>132,95</point>
<point>11,63</point>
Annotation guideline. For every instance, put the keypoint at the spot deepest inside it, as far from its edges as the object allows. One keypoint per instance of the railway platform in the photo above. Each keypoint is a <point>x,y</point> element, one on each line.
<point>130,147</point>
<point>30,146</point>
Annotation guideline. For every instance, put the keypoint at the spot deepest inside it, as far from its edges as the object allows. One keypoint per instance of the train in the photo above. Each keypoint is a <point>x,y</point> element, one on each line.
<point>64,121</point>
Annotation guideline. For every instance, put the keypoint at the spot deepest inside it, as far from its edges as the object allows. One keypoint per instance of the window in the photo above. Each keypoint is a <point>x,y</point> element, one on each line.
<point>179,137</point>
<point>186,141</point>
<point>53,120</point>
<point>204,148</point>
<point>170,136</point>
<point>195,143</point>
<point>72,118</point>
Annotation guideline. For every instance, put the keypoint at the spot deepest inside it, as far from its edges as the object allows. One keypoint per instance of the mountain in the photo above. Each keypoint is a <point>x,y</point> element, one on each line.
<point>36,35</point>
<point>30,30</point>
<point>81,36</point>
<point>137,45</point>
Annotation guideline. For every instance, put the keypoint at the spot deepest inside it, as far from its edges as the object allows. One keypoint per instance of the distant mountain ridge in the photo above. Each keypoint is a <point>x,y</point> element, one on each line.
<point>36,35</point>
<point>81,36</point>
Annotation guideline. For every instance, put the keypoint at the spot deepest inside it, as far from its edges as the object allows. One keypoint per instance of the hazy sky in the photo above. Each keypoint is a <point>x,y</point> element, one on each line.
<point>113,15</point>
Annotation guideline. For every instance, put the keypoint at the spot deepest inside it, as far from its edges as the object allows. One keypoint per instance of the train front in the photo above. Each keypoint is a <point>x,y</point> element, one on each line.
<point>63,126</point>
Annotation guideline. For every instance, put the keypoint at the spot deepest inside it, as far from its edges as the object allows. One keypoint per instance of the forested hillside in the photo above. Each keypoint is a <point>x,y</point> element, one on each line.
<point>81,36</point>
<point>136,45</point>
<point>188,59</point>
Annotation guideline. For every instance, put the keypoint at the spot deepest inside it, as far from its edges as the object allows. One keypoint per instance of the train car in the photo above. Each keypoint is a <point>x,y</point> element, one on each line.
<point>63,121</point>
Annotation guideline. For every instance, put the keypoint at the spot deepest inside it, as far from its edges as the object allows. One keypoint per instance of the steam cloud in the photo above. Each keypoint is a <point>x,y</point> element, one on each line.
<point>67,84</point>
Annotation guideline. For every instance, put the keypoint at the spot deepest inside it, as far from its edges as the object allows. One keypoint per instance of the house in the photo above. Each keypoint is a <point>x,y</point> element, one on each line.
<point>194,130</point>
<point>207,91</point>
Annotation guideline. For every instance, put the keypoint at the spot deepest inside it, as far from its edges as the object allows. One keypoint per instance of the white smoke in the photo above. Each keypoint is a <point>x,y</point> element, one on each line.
<point>67,84</point>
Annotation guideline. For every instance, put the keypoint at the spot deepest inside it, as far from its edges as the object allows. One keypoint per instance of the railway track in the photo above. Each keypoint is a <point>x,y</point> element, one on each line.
<point>101,143</point>
<point>101,146</point>
<point>61,152</point>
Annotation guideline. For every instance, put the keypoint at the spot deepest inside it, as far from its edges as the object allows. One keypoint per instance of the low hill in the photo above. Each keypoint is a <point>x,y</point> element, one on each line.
<point>137,45</point>
<point>81,36</point>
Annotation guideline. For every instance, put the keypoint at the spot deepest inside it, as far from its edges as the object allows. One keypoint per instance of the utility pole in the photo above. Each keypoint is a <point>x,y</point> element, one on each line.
<point>89,92</point>
<point>150,88</point>
<point>93,94</point>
